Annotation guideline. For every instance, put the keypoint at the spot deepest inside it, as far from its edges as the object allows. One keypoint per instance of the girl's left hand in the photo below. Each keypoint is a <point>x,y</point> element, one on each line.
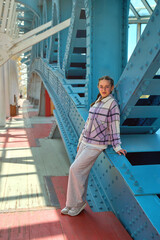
<point>122,151</point>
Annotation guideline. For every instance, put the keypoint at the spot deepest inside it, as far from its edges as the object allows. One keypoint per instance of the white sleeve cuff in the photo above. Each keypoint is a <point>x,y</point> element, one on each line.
<point>117,148</point>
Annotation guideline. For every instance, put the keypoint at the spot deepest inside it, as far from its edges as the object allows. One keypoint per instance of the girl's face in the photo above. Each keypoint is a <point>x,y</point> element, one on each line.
<point>105,87</point>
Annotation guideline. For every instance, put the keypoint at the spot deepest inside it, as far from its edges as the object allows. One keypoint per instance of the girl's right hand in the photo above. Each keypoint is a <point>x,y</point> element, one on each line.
<point>77,149</point>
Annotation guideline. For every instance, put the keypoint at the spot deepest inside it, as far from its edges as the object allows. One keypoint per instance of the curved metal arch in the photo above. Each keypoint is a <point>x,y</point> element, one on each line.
<point>31,6</point>
<point>38,73</point>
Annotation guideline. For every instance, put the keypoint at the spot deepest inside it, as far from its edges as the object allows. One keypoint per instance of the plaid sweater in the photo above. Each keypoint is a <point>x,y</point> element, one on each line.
<point>103,124</point>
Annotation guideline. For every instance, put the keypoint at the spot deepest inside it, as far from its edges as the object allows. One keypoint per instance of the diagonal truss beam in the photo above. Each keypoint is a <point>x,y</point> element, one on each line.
<point>134,11</point>
<point>33,32</point>
<point>11,49</point>
<point>148,7</point>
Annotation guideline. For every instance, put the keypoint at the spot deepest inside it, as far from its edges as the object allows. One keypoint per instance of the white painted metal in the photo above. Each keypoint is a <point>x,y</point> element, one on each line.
<point>1,7</point>
<point>134,11</point>
<point>7,52</point>
<point>33,32</point>
<point>10,16</point>
<point>147,6</point>
<point>5,14</point>
<point>27,60</point>
<point>138,31</point>
<point>7,87</point>
<point>15,27</point>
<point>13,19</point>
<point>2,99</point>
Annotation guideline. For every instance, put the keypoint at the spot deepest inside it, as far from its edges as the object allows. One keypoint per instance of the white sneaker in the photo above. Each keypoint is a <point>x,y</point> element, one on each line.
<point>65,210</point>
<point>75,211</point>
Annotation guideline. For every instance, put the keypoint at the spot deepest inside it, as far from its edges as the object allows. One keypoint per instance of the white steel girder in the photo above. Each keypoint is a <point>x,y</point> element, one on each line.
<point>10,47</point>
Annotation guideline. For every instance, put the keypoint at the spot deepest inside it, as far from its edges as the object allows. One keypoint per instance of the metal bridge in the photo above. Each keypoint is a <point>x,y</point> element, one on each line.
<point>67,45</point>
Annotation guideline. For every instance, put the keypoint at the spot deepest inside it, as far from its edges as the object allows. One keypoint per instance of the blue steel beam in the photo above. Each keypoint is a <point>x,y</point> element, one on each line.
<point>139,79</point>
<point>53,47</point>
<point>65,8</point>
<point>107,40</point>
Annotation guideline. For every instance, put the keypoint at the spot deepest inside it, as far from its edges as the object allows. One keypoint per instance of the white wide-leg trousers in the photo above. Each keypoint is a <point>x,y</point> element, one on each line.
<point>78,175</point>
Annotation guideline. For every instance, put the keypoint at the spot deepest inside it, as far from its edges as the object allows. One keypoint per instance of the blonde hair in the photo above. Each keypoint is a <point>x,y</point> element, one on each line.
<point>103,78</point>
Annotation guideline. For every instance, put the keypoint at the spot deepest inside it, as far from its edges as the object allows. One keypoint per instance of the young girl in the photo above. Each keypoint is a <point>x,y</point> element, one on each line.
<point>101,129</point>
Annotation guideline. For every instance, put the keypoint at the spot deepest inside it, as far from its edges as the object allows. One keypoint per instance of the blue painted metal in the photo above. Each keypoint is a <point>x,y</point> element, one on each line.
<point>130,188</point>
<point>106,45</point>
<point>65,8</point>
<point>74,63</point>
<point>53,47</point>
<point>145,63</point>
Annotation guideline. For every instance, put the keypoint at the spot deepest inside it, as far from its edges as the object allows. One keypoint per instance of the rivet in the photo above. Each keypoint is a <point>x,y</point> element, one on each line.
<point>139,50</point>
<point>124,166</point>
<point>131,177</point>
<point>140,189</point>
<point>156,46</point>
<point>138,230</point>
<point>127,172</point>
<point>150,51</point>
<point>152,19</point>
<point>141,67</point>
<point>135,233</point>
<point>148,33</point>
<point>142,38</point>
<point>157,12</point>
<point>134,54</point>
<point>146,64</point>
<point>136,183</point>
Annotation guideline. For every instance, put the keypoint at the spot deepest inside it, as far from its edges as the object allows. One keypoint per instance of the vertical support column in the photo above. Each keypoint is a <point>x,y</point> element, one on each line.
<point>42,101</point>
<point>138,31</point>
<point>47,104</point>
<point>107,34</point>
<point>7,88</point>
<point>65,8</point>
<point>2,99</point>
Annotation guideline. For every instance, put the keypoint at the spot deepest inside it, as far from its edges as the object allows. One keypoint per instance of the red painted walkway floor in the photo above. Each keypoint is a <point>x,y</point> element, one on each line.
<point>50,224</point>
